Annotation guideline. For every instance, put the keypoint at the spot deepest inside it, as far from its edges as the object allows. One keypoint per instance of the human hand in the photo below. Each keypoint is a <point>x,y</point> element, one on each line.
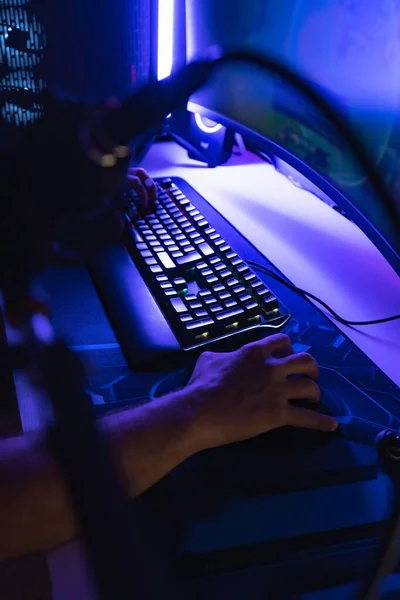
<point>239,395</point>
<point>139,180</point>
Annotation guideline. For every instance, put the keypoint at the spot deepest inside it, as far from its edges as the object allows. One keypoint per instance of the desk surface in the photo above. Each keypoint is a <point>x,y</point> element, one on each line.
<point>319,251</point>
<point>314,246</point>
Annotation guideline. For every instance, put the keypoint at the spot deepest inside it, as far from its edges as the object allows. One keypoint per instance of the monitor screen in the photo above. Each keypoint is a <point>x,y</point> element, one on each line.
<point>350,49</point>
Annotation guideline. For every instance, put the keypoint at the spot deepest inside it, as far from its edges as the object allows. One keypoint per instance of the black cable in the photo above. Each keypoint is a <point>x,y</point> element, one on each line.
<point>267,63</point>
<point>305,294</point>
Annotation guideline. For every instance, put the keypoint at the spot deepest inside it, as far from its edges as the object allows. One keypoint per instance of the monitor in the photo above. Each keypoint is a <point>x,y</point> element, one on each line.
<point>349,49</point>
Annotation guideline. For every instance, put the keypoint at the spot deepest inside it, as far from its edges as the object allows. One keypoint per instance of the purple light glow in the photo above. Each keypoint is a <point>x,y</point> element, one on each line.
<point>165,38</point>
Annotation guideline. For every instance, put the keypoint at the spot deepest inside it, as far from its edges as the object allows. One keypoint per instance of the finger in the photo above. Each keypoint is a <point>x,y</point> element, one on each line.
<point>136,184</point>
<point>303,387</point>
<point>301,364</point>
<point>147,181</point>
<point>274,345</point>
<point>301,417</point>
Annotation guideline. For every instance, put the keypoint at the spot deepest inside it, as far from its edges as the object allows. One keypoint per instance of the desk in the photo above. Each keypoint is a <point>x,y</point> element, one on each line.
<point>319,251</point>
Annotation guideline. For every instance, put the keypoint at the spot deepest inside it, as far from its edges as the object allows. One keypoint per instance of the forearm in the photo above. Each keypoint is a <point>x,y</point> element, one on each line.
<point>35,513</point>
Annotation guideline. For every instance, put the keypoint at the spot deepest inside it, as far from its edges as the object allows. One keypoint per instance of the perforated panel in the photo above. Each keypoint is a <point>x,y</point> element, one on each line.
<point>90,50</point>
<point>22,42</point>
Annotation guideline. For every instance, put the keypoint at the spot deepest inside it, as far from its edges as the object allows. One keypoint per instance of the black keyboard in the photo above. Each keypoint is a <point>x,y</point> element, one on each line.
<point>208,295</point>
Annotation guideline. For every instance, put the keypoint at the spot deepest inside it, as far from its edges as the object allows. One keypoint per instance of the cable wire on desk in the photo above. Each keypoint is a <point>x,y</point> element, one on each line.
<point>304,294</point>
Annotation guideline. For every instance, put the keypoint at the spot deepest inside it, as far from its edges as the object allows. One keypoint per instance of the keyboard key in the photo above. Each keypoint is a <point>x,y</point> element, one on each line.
<point>173,249</point>
<point>186,318</point>
<point>254,320</point>
<point>219,288</point>
<point>175,231</point>
<point>193,211</point>
<point>211,279</point>
<point>225,296</point>
<point>183,201</point>
<point>238,289</point>
<point>204,293</point>
<point>166,260</point>
<point>228,314</point>
<point>216,308</point>
<point>201,266</point>
<point>166,236</point>
<point>202,223</point>
<point>154,243</point>
<point>190,229</point>
<point>262,291</point>
<point>169,243</point>
<point>190,297</point>
<point>195,305</point>
<point>166,183</point>
<point>214,236</point>
<point>156,269</point>
<point>198,241</point>
<point>245,297</point>
<point>210,300</point>
<point>232,282</point>
<point>170,293</point>
<point>141,246</point>
<point>225,248</point>
<point>161,278</point>
<point>176,254</point>
<point>251,306</point>
<point>189,249</point>
<point>180,237</point>
<point>146,254</point>
<point>178,305</point>
<point>151,238</point>
<point>231,255</point>
<point>230,303</point>
<point>206,272</point>
<point>209,230</point>
<point>220,267</point>
<point>199,325</point>
<point>184,243</point>
<point>194,235</point>
<point>198,218</point>
<point>219,242</point>
<point>158,228</point>
<point>225,273</point>
<point>214,260</point>
<point>242,268</point>
<point>158,249</point>
<point>188,258</point>
<point>150,261</point>
<point>236,262</point>
<point>182,219</point>
<point>256,284</point>
<point>180,283</point>
<point>186,225</point>
<point>270,303</point>
<point>205,249</point>
<point>201,313</point>
<point>166,286</point>
<point>249,277</point>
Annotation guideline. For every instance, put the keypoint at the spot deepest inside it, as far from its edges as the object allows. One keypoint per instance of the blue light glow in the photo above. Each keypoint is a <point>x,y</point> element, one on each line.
<point>165,38</point>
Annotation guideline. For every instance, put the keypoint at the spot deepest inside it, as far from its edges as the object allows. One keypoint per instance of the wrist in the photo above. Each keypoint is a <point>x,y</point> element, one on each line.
<point>183,408</point>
